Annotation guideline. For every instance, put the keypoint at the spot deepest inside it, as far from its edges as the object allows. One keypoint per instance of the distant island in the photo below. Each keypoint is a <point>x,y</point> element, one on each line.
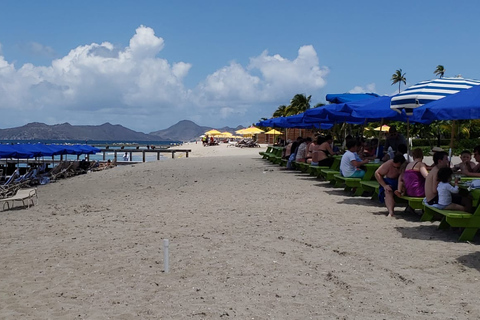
<point>184,130</point>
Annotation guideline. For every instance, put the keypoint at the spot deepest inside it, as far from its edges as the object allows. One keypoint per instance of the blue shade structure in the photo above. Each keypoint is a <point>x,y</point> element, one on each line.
<point>41,150</point>
<point>464,105</point>
<point>348,97</point>
<point>428,91</point>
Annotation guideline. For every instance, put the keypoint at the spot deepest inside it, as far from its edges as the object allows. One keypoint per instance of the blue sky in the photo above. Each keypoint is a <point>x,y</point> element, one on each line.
<point>149,64</point>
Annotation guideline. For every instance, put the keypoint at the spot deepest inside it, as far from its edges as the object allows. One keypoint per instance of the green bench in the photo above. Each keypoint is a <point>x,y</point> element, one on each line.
<point>302,166</point>
<point>415,203</point>
<point>276,156</point>
<point>266,153</point>
<point>316,170</point>
<point>371,186</point>
<point>329,175</point>
<point>350,183</point>
<point>458,219</point>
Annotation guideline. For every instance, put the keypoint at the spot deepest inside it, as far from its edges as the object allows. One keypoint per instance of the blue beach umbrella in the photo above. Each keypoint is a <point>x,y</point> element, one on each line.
<point>464,105</point>
<point>428,91</point>
<point>7,151</point>
<point>348,97</point>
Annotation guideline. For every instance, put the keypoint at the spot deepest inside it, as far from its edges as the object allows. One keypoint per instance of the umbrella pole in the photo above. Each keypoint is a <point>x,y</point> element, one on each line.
<point>408,139</point>
<point>379,137</point>
<point>452,136</point>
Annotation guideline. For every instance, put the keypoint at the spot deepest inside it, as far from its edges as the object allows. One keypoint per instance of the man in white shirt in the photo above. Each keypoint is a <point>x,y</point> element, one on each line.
<point>349,165</point>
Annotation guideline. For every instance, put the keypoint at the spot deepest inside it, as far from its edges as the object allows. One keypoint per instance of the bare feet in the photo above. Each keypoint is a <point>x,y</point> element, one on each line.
<point>391,215</point>
<point>397,193</point>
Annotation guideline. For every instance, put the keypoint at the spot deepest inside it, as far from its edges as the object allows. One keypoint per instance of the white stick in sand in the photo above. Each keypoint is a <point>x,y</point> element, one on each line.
<point>165,254</point>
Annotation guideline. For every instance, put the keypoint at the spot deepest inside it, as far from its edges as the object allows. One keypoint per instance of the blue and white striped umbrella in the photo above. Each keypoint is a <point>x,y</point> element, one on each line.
<point>428,91</point>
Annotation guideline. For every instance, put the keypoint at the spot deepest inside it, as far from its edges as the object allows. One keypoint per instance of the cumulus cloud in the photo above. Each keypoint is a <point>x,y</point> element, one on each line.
<point>133,86</point>
<point>369,88</point>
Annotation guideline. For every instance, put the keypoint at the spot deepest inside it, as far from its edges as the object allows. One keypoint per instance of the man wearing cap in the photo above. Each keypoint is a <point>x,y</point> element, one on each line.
<point>394,139</point>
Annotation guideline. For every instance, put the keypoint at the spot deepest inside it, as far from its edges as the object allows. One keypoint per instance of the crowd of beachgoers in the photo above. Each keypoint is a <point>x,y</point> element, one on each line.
<point>401,173</point>
<point>247,239</point>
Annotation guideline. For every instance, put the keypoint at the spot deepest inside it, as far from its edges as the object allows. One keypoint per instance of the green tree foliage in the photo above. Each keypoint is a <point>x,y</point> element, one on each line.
<point>399,77</point>
<point>439,71</point>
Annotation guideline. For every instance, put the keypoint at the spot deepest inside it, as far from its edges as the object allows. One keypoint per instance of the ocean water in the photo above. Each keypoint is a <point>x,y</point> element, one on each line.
<point>112,145</point>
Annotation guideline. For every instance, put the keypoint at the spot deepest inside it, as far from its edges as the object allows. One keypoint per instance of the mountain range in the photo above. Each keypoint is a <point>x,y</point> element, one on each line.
<point>184,130</point>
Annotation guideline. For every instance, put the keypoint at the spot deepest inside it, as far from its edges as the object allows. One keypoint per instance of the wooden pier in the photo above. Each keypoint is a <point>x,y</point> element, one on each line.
<point>130,152</point>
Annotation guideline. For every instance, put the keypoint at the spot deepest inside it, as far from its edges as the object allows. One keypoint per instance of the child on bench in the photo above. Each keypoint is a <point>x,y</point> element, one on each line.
<point>445,191</point>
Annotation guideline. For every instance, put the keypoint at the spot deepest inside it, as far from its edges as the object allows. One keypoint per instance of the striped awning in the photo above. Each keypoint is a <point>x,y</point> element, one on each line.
<point>428,91</point>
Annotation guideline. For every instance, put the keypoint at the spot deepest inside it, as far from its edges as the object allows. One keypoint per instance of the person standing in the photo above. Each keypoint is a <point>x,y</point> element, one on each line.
<point>387,176</point>
<point>394,139</point>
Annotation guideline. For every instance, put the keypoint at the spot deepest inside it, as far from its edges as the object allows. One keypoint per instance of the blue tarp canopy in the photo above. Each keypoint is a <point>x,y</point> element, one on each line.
<point>464,105</point>
<point>348,97</point>
<point>42,150</point>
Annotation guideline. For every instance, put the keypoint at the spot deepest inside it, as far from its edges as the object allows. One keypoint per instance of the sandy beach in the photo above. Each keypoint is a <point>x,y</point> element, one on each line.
<point>248,240</point>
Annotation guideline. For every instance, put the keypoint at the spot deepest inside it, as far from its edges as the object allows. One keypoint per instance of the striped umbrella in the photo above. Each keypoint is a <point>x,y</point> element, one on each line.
<point>428,91</point>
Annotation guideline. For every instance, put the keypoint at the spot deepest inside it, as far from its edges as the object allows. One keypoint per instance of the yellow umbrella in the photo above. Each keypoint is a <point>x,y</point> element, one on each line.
<point>226,134</point>
<point>252,130</point>
<point>383,128</point>
<point>213,132</point>
<point>274,132</point>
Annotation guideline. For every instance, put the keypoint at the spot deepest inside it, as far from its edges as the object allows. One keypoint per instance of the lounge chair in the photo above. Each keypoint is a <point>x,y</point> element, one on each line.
<point>27,196</point>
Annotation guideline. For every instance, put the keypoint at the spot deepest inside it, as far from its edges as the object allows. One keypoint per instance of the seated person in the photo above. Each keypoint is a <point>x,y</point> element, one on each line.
<point>288,150</point>
<point>475,171</point>
<point>412,180</point>
<point>387,176</point>
<point>322,155</point>
<point>301,155</point>
<point>349,165</point>
<point>402,149</point>
<point>370,149</point>
<point>432,153</point>
<point>466,164</point>
<point>445,191</point>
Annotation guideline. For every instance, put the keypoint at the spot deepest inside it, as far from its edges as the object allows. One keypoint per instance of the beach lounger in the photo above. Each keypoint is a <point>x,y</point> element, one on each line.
<point>27,196</point>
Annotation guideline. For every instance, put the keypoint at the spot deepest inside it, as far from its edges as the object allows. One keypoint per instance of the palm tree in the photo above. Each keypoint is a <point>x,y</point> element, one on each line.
<point>281,111</point>
<point>320,104</point>
<point>440,71</point>
<point>300,103</point>
<point>398,77</point>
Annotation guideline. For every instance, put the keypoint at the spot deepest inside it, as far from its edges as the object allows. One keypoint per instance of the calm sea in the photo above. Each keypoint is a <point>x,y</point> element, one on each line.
<point>112,145</point>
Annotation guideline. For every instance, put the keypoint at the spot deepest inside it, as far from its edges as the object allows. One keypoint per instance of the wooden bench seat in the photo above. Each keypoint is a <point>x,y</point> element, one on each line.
<point>453,218</point>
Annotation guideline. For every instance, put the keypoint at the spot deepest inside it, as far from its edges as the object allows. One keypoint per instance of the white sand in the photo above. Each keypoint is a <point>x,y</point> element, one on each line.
<point>247,240</point>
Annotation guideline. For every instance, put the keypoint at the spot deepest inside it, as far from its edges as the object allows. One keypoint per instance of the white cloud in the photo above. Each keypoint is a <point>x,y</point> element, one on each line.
<point>369,88</point>
<point>133,86</point>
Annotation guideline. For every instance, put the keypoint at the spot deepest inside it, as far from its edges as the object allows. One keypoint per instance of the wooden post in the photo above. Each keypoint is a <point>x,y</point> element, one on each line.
<point>131,156</point>
<point>104,155</point>
<point>143,155</point>
<point>186,154</point>
<point>173,154</point>
<point>115,156</point>
<point>158,155</point>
